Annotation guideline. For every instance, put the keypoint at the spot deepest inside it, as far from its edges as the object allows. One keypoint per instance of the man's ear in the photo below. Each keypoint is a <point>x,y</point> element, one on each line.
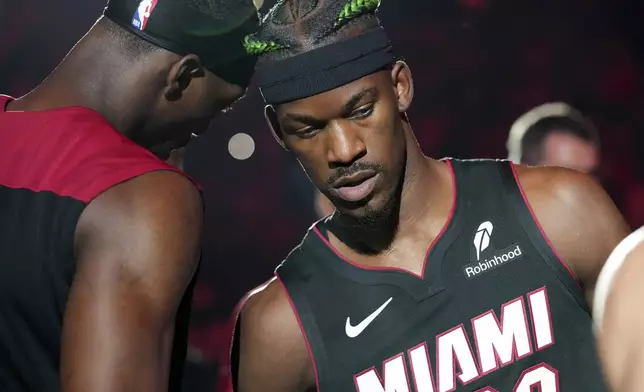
<point>181,75</point>
<point>403,85</point>
<point>274,125</point>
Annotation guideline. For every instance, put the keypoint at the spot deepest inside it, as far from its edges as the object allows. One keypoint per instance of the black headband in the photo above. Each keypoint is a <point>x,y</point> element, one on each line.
<point>325,68</point>
<point>184,30</point>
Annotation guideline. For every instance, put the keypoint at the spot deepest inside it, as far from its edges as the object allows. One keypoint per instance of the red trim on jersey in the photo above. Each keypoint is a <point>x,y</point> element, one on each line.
<point>4,101</point>
<point>429,249</point>
<point>242,302</point>
<point>536,221</point>
<point>225,369</point>
<point>306,339</point>
<point>71,151</point>
<point>227,384</point>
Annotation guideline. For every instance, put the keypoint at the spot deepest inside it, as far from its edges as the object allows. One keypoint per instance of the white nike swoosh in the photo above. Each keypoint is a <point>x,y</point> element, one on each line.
<point>352,331</point>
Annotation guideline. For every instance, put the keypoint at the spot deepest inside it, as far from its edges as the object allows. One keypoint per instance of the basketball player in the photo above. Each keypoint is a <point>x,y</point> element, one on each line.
<point>99,238</point>
<point>618,316</point>
<point>431,275</point>
<point>555,134</point>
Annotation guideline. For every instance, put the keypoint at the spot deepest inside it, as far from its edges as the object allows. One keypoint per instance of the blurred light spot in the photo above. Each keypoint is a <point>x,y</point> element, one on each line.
<point>241,146</point>
<point>258,3</point>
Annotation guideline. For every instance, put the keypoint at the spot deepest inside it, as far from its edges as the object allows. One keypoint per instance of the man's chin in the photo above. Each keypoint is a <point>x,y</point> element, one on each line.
<point>367,213</point>
<point>363,217</point>
<point>351,207</point>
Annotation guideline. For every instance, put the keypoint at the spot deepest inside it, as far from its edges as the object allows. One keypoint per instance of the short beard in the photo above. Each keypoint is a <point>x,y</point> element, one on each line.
<point>376,220</point>
<point>378,226</point>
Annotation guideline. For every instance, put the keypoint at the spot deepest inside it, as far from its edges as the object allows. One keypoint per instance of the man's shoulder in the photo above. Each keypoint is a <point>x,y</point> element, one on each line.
<point>638,250</point>
<point>556,184</point>
<point>268,309</point>
<point>632,248</point>
<point>545,183</point>
<point>620,278</point>
<point>565,200</point>
<point>157,206</point>
<point>264,296</point>
<point>575,214</point>
<point>272,346</point>
<point>154,192</point>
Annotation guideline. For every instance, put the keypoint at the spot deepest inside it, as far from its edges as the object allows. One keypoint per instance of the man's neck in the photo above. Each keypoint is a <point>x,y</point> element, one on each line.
<point>85,91</point>
<point>89,77</point>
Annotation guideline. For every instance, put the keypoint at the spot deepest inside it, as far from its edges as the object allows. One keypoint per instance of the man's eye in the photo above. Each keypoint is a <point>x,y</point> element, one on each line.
<point>362,112</point>
<point>307,132</point>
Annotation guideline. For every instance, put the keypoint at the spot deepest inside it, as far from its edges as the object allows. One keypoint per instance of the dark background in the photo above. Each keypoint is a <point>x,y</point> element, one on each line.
<point>478,65</point>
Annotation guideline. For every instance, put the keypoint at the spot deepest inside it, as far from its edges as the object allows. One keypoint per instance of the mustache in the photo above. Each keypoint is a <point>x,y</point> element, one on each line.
<point>356,167</point>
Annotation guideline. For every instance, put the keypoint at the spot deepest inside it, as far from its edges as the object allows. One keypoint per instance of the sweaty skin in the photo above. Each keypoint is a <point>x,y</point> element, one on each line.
<point>621,343</point>
<point>137,244</point>
<point>137,247</point>
<point>365,120</point>
<point>577,215</point>
<point>364,123</point>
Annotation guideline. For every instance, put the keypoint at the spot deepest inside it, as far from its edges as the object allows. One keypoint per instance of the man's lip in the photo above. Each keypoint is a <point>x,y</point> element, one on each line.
<point>357,192</point>
<point>354,179</point>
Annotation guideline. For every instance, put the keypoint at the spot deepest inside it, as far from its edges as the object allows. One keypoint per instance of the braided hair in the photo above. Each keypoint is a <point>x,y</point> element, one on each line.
<point>292,27</point>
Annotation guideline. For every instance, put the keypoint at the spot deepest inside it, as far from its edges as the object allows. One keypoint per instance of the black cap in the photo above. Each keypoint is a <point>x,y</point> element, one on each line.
<point>183,27</point>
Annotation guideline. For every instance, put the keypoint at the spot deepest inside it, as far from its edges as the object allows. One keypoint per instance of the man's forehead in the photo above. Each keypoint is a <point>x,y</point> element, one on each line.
<point>366,86</point>
<point>562,137</point>
<point>565,149</point>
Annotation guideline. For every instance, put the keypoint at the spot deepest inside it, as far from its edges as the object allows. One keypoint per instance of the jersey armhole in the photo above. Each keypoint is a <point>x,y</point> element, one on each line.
<point>304,315</point>
<point>540,228</point>
<point>109,181</point>
<point>4,102</point>
<point>234,351</point>
<point>528,219</point>
<point>233,365</point>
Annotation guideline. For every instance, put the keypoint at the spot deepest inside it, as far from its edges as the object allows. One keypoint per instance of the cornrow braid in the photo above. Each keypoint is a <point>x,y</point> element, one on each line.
<point>256,47</point>
<point>292,27</point>
<point>355,9</point>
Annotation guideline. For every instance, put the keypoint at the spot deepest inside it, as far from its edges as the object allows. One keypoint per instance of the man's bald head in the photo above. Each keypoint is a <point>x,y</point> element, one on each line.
<point>561,148</point>
<point>158,71</point>
<point>555,135</point>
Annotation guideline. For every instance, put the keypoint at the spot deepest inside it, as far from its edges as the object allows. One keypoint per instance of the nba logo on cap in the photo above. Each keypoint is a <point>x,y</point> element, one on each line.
<point>143,13</point>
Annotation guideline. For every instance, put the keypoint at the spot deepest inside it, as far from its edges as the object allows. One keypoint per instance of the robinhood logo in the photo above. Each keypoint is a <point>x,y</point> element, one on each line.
<point>497,259</point>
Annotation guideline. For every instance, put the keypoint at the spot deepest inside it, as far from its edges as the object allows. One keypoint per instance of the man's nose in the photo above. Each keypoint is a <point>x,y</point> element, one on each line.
<point>345,144</point>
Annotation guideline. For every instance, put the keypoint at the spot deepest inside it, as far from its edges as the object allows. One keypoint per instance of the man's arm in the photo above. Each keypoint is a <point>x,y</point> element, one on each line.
<point>273,356</point>
<point>621,342</point>
<point>578,216</point>
<point>137,247</point>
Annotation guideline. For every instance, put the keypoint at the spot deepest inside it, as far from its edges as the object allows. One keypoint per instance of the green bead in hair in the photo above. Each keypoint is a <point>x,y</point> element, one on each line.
<point>255,47</point>
<point>354,9</point>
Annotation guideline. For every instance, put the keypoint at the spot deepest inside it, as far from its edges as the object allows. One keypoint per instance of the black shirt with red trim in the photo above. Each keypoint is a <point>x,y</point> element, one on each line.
<point>494,310</point>
<point>52,165</point>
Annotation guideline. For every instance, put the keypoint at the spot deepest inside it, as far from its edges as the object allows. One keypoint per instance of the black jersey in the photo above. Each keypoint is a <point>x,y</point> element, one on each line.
<point>52,165</point>
<point>494,310</point>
